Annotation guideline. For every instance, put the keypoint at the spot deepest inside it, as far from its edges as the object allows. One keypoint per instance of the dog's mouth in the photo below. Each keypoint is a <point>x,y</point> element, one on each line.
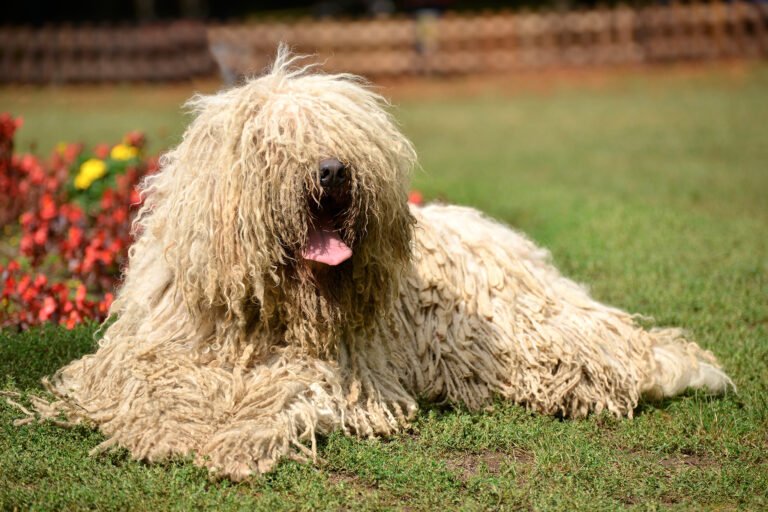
<point>324,242</point>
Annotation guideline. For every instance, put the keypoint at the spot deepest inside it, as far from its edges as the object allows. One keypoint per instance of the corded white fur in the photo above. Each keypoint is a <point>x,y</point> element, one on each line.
<point>226,345</point>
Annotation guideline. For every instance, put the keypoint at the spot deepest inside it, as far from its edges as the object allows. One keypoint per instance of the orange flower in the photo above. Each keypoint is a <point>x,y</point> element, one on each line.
<point>416,198</point>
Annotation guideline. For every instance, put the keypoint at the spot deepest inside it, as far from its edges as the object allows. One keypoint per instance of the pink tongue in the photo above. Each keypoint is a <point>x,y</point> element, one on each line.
<point>325,246</point>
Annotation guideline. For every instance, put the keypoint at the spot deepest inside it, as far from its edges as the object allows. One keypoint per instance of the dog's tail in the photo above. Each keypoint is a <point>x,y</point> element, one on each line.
<point>680,364</point>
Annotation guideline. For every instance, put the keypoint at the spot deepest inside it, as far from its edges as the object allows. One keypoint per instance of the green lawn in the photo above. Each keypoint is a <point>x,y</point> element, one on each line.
<point>98,114</point>
<point>651,189</point>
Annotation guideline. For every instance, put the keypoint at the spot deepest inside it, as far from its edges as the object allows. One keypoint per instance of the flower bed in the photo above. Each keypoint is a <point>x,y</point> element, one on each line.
<point>66,227</point>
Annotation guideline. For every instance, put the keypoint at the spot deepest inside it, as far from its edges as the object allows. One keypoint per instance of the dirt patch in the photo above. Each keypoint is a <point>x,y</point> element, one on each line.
<point>677,461</point>
<point>469,464</point>
<point>362,491</point>
<point>362,488</point>
<point>673,465</point>
<point>681,461</point>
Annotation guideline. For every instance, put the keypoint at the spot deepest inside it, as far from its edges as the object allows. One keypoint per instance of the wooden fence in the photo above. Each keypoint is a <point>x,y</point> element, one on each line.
<point>446,45</point>
<point>157,52</point>
<point>503,41</point>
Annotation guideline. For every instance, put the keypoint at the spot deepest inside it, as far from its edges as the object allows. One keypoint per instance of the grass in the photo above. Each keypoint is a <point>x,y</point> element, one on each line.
<point>92,115</point>
<point>652,190</point>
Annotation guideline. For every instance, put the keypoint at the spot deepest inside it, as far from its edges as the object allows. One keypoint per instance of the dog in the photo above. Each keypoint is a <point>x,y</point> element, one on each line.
<point>281,287</point>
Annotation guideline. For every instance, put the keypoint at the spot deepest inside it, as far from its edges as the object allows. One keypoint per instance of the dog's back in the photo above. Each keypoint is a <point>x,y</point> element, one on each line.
<point>484,312</point>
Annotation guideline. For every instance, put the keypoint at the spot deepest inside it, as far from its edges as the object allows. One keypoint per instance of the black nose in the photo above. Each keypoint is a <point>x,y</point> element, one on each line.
<point>332,173</point>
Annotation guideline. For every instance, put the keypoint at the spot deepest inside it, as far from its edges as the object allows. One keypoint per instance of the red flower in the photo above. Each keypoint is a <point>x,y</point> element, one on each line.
<point>48,210</point>
<point>107,199</point>
<point>106,257</point>
<point>106,303</point>
<point>72,151</point>
<point>99,238</point>
<point>10,284</point>
<point>119,215</point>
<point>52,184</point>
<point>60,290</point>
<point>36,174</point>
<point>49,306</point>
<point>101,150</point>
<point>416,198</point>
<point>22,285</point>
<point>26,219</point>
<point>72,212</point>
<point>135,138</point>
<point>80,297</point>
<point>27,162</point>
<point>73,318</point>
<point>41,235</point>
<point>26,243</point>
<point>135,197</point>
<point>41,281</point>
<point>75,236</point>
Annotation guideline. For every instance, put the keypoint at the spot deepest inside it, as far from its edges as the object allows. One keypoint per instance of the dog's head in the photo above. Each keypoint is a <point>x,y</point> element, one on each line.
<point>286,204</point>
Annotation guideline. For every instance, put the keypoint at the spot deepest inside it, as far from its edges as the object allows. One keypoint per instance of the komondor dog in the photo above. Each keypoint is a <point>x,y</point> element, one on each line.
<point>281,287</point>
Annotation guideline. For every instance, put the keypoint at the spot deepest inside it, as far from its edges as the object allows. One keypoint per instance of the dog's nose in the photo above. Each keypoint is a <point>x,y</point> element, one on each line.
<point>332,173</point>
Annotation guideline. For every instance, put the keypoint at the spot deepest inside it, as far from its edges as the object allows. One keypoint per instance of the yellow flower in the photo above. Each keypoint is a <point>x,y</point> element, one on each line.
<point>123,152</point>
<point>90,171</point>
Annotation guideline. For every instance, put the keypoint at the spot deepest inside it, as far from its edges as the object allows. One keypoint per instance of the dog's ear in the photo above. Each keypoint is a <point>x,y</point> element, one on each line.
<point>197,207</point>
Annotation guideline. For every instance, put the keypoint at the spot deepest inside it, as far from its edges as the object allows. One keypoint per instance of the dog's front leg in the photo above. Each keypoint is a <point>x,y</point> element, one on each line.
<point>275,408</point>
<point>235,417</point>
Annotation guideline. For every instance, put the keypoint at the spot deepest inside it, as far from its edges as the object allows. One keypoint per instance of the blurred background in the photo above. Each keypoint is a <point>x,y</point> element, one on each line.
<point>146,40</point>
<point>107,48</point>
<point>146,56</point>
<point>556,116</point>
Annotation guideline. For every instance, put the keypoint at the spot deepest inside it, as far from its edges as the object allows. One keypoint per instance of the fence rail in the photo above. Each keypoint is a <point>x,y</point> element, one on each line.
<point>451,44</point>
<point>159,52</point>
<point>505,41</point>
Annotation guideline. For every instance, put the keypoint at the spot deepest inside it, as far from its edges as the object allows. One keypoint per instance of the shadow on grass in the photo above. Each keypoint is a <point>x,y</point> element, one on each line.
<point>667,403</point>
<point>28,356</point>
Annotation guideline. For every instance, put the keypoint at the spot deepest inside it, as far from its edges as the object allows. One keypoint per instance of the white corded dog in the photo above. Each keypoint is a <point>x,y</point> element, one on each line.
<point>281,287</point>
